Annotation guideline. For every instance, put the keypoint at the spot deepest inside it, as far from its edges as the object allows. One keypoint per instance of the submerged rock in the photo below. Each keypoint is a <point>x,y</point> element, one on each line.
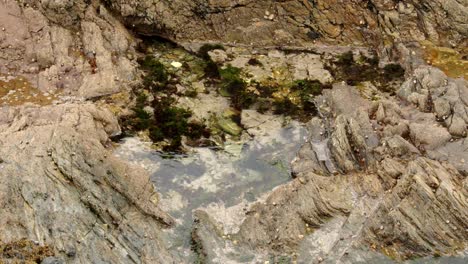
<point>226,123</point>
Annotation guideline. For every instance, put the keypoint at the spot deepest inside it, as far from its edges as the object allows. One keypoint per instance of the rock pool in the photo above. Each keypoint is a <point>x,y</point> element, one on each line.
<point>221,182</point>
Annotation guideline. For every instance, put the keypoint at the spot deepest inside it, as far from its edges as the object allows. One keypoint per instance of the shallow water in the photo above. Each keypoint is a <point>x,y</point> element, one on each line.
<point>224,183</point>
<point>216,180</point>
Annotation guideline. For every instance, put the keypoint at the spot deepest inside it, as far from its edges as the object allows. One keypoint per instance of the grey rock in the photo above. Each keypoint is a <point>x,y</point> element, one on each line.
<point>218,55</point>
<point>398,178</point>
<point>74,188</point>
<point>390,175</point>
<point>52,260</point>
<point>296,22</point>
<point>429,137</point>
<point>457,126</point>
<point>343,93</point>
<point>48,47</point>
<point>447,95</point>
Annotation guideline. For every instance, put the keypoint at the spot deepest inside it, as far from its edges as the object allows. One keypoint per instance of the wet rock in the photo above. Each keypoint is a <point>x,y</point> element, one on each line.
<point>52,260</point>
<point>218,55</point>
<point>377,171</point>
<point>227,124</point>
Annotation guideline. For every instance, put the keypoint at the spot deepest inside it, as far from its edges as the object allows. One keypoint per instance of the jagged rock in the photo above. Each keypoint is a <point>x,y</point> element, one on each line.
<point>296,22</point>
<point>83,53</point>
<point>410,214</point>
<point>390,175</point>
<point>71,187</point>
<point>434,92</point>
<point>429,137</point>
<point>400,191</point>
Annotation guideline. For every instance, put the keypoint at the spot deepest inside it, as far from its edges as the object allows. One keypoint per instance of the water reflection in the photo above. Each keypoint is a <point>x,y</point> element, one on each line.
<point>209,178</point>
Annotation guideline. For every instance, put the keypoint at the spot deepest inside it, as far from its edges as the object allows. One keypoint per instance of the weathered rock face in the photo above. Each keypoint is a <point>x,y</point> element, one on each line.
<point>374,174</point>
<point>379,171</point>
<point>82,52</point>
<point>296,22</point>
<point>61,187</point>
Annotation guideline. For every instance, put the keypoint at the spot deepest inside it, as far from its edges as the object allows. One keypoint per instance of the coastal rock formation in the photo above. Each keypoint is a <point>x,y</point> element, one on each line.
<point>83,52</point>
<point>294,22</point>
<point>383,171</point>
<point>61,187</point>
<point>369,179</point>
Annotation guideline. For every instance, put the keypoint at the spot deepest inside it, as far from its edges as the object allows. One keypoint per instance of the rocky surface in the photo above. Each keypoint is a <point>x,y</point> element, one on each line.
<point>374,175</point>
<point>294,22</point>
<point>382,176</point>
<point>62,188</point>
<point>83,53</point>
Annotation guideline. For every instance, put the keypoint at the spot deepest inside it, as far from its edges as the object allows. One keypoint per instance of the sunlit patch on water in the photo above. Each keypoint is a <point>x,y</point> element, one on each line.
<point>217,181</point>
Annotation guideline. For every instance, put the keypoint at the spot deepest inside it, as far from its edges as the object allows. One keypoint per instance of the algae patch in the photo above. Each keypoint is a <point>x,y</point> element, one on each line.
<point>355,69</point>
<point>23,251</point>
<point>155,110</point>
<point>450,61</point>
<point>17,90</point>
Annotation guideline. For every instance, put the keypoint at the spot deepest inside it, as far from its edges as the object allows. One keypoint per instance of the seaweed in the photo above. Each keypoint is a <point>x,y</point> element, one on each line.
<point>211,69</point>
<point>314,35</point>
<point>254,62</point>
<point>156,76</point>
<point>393,71</point>
<point>346,59</point>
<point>24,251</point>
<point>354,71</point>
<point>308,88</point>
<point>191,93</point>
<point>285,106</point>
<point>203,51</point>
<point>172,122</point>
<point>305,108</point>
<point>164,121</point>
<point>233,84</point>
